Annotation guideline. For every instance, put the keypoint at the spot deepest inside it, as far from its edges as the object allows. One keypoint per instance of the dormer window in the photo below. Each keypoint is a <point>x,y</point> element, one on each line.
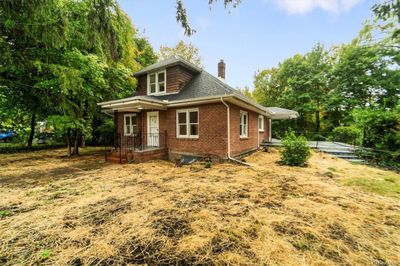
<point>156,82</point>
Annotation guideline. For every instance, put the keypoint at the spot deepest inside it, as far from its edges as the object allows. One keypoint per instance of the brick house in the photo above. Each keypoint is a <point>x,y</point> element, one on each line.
<point>180,109</point>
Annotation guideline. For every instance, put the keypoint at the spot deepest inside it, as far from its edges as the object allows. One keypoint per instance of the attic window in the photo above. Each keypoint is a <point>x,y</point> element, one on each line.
<point>156,82</point>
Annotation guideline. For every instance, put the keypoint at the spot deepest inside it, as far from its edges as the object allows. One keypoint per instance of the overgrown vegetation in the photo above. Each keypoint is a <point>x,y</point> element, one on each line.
<point>60,211</point>
<point>59,58</point>
<point>295,150</point>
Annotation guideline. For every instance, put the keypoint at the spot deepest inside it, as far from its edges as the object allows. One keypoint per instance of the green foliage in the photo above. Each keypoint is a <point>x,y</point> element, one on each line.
<point>106,130</point>
<point>189,52</point>
<point>182,18</point>
<point>146,55</point>
<point>207,163</point>
<point>295,151</point>
<point>45,254</point>
<point>4,213</point>
<point>381,128</point>
<point>350,90</point>
<point>60,58</point>
<point>347,134</point>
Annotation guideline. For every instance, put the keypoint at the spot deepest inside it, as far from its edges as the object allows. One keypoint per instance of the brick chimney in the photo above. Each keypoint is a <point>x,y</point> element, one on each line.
<point>221,69</point>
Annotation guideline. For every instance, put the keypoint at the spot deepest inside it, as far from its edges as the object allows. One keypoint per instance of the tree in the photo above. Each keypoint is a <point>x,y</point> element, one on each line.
<point>146,55</point>
<point>389,12</point>
<point>182,18</point>
<point>245,91</point>
<point>188,52</point>
<point>62,57</point>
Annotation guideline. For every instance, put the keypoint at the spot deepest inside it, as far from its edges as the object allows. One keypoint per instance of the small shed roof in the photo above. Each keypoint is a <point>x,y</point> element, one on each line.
<point>277,113</point>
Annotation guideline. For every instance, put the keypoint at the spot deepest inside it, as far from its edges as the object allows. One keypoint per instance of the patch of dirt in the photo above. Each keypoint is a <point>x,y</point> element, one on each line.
<point>96,213</point>
<point>171,223</point>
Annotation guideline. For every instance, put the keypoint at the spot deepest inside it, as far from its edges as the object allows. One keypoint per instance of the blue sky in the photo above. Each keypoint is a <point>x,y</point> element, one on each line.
<point>258,34</point>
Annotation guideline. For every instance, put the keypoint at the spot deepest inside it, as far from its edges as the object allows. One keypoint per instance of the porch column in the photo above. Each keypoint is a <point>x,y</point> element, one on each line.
<point>116,131</point>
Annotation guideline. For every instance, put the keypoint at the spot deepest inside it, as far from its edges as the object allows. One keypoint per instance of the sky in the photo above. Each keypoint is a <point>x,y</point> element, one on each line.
<point>256,35</point>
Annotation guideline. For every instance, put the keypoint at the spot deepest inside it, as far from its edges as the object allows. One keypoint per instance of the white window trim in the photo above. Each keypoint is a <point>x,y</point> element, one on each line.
<point>246,133</point>
<point>262,123</point>
<point>187,111</point>
<point>131,125</point>
<point>157,92</point>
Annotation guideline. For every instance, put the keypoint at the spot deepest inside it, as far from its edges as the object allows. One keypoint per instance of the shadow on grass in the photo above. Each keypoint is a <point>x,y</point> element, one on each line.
<point>46,166</point>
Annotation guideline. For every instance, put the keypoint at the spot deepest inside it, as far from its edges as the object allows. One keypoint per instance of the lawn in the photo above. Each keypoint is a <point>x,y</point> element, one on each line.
<point>84,211</point>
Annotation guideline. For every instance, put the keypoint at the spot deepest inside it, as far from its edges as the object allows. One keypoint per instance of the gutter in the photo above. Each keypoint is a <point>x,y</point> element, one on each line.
<point>229,134</point>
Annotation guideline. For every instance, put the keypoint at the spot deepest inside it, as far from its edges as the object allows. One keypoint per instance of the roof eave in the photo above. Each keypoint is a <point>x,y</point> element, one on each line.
<point>190,67</point>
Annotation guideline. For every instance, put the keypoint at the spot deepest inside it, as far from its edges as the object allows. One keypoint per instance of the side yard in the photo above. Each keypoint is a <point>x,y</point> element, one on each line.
<point>83,211</point>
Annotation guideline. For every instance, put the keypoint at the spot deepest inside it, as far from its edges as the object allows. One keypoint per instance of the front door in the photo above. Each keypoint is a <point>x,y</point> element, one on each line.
<point>152,129</point>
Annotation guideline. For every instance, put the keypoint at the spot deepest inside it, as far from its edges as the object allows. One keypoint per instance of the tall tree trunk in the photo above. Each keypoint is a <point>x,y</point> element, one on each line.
<point>32,133</point>
<point>317,121</point>
<point>69,142</point>
<point>76,144</point>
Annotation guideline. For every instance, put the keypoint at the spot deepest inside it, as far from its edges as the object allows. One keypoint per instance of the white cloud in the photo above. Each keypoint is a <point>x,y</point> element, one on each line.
<point>306,6</point>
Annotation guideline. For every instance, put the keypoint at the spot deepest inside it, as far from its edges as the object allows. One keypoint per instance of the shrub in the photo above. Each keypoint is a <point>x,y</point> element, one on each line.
<point>207,163</point>
<point>295,150</point>
<point>347,134</point>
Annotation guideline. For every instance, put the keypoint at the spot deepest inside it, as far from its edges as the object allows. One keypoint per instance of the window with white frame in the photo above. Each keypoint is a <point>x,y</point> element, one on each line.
<point>244,124</point>
<point>261,123</point>
<point>187,123</point>
<point>156,82</point>
<point>130,124</point>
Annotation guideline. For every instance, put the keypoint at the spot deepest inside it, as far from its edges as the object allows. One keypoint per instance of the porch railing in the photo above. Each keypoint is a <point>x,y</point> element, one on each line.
<point>120,146</point>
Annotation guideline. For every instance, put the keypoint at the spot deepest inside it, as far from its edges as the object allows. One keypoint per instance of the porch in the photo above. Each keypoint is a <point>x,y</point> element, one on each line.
<point>138,147</point>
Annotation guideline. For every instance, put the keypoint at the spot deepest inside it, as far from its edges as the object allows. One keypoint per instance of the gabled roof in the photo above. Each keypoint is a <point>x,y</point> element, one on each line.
<point>202,87</point>
<point>172,61</point>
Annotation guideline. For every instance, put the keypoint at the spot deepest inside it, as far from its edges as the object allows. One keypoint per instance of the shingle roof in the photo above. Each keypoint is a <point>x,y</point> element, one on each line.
<point>173,60</point>
<point>203,84</point>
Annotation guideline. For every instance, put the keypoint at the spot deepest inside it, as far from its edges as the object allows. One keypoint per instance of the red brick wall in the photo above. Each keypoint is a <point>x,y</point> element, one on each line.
<point>212,139</point>
<point>177,78</point>
<point>240,145</point>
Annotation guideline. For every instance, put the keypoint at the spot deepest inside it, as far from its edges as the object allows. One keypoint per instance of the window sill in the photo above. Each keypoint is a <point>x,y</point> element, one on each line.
<point>156,93</point>
<point>261,131</point>
<point>186,137</point>
<point>244,137</point>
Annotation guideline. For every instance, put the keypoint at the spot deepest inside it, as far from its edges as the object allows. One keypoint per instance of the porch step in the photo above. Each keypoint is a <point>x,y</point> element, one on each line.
<point>115,159</point>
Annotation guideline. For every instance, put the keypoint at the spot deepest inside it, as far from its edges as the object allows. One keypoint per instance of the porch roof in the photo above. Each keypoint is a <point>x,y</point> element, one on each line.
<point>133,104</point>
<point>277,113</point>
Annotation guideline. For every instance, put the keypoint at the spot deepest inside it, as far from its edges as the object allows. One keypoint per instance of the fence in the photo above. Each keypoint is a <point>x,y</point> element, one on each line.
<point>120,145</point>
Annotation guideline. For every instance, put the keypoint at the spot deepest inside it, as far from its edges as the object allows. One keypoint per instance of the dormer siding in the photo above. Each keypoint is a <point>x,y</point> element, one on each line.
<point>177,77</point>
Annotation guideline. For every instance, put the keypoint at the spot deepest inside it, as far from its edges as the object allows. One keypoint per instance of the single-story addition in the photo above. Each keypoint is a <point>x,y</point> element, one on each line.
<point>180,109</point>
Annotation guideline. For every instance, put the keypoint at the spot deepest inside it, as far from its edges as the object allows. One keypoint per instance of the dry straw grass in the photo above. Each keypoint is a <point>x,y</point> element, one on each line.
<point>82,211</point>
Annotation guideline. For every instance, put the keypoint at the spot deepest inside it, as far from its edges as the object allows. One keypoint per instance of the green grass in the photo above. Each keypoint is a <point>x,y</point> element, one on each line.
<point>5,213</point>
<point>45,254</point>
<point>387,186</point>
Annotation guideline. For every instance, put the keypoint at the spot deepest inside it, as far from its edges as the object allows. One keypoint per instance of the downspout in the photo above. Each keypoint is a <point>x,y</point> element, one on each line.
<point>229,134</point>
<point>258,134</point>
<point>270,130</point>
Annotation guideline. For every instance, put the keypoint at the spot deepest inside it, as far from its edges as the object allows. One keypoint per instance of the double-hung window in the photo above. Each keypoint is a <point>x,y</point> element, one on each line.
<point>156,82</point>
<point>260,123</point>
<point>187,125</point>
<point>244,124</point>
<point>130,124</point>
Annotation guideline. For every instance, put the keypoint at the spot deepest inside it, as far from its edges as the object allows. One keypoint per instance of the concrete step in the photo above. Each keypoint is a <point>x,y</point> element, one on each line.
<point>357,161</point>
<point>347,157</point>
<point>336,151</point>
